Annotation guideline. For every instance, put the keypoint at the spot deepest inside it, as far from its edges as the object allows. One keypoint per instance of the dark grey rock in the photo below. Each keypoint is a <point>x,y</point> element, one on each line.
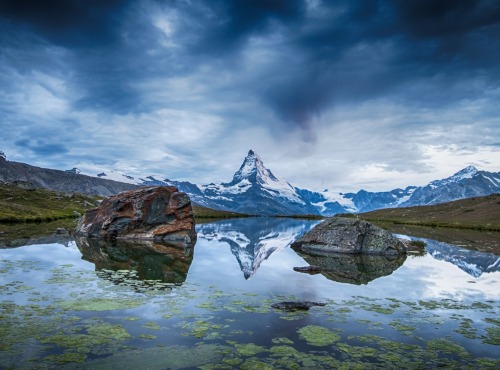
<point>349,235</point>
<point>291,306</point>
<point>308,269</point>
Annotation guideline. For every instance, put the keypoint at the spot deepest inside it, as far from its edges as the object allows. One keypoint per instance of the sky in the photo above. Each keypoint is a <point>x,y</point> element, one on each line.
<point>345,95</point>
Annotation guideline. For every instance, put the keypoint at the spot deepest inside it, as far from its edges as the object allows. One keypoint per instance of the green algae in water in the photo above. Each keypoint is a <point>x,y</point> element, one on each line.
<point>66,357</point>
<point>492,321</point>
<point>378,308</point>
<point>284,351</point>
<point>248,349</point>
<point>209,306</point>
<point>447,346</point>
<point>160,358</point>
<point>101,304</point>
<point>255,364</point>
<point>200,329</point>
<point>147,336</point>
<point>466,329</point>
<point>107,332</point>
<point>403,329</point>
<point>281,340</point>
<point>292,316</point>
<point>97,334</point>
<point>151,325</point>
<point>357,352</point>
<point>317,335</point>
<point>493,336</point>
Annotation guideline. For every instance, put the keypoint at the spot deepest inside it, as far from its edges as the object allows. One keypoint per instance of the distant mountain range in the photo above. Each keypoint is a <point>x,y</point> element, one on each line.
<point>255,189</point>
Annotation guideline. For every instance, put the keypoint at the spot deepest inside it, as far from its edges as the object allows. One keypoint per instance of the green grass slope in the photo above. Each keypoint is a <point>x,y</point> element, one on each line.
<point>21,205</point>
<point>481,213</point>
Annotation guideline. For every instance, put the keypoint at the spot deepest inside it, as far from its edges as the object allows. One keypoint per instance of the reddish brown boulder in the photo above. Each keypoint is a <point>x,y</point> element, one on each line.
<point>159,213</point>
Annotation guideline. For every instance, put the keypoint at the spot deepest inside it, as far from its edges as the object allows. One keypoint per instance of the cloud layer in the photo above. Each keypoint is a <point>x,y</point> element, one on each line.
<point>342,94</point>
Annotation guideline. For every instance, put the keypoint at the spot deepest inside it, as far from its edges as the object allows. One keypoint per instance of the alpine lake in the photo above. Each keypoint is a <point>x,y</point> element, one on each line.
<point>86,304</point>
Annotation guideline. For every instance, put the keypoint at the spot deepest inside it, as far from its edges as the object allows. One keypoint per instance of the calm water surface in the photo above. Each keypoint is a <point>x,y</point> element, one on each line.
<point>87,304</point>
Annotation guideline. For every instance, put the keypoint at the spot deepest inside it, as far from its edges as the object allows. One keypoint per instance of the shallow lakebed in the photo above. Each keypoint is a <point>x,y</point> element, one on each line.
<point>91,305</point>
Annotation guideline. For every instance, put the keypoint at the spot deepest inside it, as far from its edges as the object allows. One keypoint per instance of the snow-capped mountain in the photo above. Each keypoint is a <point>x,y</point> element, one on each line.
<point>254,240</point>
<point>255,189</point>
<point>466,183</point>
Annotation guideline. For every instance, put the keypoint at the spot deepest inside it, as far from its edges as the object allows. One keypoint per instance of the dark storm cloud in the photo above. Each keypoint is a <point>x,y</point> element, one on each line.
<point>328,53</point>
<point>411,51</point>
<point>40,147</point>
<point>228,24</point>
<point>68,22</point>
<point>80,39</point>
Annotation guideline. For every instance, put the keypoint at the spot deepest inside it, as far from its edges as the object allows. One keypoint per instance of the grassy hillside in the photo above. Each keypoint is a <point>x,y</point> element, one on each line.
<point>203,213</point>
<point>21,205</point>
<point>481,213</point>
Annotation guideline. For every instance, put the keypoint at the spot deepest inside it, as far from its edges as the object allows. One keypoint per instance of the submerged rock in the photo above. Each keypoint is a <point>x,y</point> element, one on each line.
<point>308,269</point>
<point>348,235</point>
<point>296,305</point>
<point>159,213</point>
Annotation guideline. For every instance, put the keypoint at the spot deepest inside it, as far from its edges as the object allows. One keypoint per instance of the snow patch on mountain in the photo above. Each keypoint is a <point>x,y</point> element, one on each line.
<point>340,198</point>
<point>74,170</point>
<point>494,180</point>
<point>239,188</point>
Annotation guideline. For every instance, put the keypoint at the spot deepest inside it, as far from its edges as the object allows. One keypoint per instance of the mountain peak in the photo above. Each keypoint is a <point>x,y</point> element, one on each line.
<point>252,169</point>
<point>253,173</point>
<point>467,170</point>
<point>466,173</point>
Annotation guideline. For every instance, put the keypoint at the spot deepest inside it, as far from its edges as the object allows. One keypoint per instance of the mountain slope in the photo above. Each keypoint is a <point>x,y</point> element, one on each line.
<point>59,180</point>
<point>475,213</point>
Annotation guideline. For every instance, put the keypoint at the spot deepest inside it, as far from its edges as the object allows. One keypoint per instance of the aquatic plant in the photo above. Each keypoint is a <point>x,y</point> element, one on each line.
<point>317,335</point>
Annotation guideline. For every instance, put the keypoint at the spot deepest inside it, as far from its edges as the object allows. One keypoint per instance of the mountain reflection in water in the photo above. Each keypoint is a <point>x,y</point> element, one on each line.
<point>473,262</point>
<point>254,240</point>
<point>150,260</point>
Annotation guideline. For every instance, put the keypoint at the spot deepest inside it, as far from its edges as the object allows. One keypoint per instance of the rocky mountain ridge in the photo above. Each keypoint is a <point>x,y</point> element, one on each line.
<point>65,181</point>
<point>255,189</point>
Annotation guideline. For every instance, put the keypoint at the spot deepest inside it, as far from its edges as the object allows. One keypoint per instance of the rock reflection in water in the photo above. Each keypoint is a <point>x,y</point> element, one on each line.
<point>147,260</point>
<point>353,268</point>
